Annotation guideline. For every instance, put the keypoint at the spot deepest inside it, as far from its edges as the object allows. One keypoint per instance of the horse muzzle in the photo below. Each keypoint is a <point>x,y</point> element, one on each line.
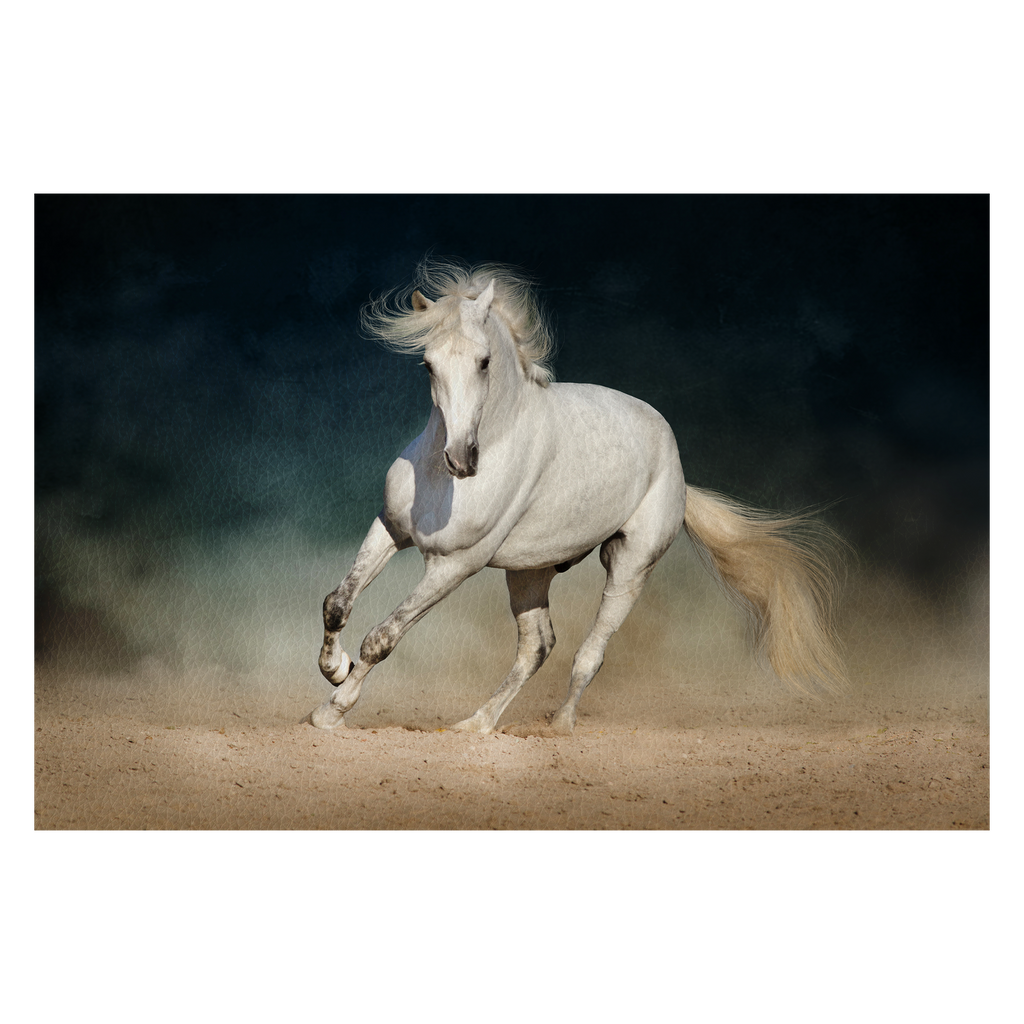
<point>462,461</point>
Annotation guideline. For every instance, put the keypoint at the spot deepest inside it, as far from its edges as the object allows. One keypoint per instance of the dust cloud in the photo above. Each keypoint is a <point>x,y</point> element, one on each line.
<point>167,624</point>
<point>171,693</point>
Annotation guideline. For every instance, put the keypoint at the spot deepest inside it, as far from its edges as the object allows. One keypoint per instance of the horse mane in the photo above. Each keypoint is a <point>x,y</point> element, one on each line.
<point>391,320</point>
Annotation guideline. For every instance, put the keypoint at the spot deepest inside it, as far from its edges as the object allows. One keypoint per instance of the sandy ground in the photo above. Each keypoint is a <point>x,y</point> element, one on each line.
<point>681,730</point>
<point>133,765</point>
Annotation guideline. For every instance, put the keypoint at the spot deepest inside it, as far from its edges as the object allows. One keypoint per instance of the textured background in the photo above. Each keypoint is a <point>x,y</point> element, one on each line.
<point>212,432</point>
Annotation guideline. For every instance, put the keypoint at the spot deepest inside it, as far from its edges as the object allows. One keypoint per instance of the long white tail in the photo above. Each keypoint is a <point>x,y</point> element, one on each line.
<point>777,569</point>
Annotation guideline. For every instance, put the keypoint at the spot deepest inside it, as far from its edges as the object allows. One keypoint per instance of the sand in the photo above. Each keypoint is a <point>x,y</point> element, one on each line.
<point>680,730</point>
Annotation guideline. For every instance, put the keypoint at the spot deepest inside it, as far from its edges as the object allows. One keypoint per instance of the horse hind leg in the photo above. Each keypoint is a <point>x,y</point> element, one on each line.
<point>615,606</point>
<point>528,597</point>
<point>628,562</point>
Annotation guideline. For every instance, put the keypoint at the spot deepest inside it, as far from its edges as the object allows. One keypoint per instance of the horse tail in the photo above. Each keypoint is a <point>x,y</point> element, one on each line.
<point>778,569</point>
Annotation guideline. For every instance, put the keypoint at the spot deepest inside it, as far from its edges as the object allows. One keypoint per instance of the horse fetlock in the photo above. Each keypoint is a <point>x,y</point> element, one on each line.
<point>335,664</point>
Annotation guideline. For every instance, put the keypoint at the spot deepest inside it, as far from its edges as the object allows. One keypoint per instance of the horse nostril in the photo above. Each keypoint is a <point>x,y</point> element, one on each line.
<point>459,468</point>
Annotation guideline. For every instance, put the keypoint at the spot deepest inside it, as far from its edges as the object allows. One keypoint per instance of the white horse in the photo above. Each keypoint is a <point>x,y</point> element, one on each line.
<point>522,474</point>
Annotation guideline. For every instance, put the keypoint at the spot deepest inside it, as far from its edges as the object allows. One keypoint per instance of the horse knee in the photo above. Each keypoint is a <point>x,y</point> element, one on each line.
<point>337,606</point>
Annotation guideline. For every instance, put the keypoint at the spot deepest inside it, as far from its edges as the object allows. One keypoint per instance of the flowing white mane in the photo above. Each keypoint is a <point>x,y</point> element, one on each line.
<point>392,320</point>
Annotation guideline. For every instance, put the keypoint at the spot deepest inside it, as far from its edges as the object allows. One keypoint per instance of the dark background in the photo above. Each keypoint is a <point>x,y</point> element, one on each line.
<point>200,376</point>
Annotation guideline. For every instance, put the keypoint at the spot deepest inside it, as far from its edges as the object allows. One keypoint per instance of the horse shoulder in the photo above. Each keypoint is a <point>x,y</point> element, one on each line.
<point>400,482</point>
<point>399,491</point>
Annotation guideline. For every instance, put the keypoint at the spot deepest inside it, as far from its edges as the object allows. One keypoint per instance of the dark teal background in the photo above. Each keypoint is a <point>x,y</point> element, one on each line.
<point>200,377</point>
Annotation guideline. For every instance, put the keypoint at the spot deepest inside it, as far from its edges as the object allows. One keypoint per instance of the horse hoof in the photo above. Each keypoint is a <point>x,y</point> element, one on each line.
<point>472,724</point>
<point>327,716</point>
<point>562,726</point>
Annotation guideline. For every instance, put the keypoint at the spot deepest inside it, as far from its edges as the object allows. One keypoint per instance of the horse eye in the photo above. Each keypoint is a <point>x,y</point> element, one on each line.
<point>485,362</point>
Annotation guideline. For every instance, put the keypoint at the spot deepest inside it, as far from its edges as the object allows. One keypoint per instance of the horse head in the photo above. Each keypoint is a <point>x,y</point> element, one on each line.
<point>458,360</point>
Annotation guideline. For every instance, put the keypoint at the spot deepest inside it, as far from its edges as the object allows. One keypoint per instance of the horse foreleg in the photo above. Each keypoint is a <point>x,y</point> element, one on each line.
<point>528,596</point>
<point>442,576</point>
<point>376,550</point>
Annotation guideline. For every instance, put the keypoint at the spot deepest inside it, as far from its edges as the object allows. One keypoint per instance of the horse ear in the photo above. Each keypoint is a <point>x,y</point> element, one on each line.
<point>484,300</point>
<point>420,302</point>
